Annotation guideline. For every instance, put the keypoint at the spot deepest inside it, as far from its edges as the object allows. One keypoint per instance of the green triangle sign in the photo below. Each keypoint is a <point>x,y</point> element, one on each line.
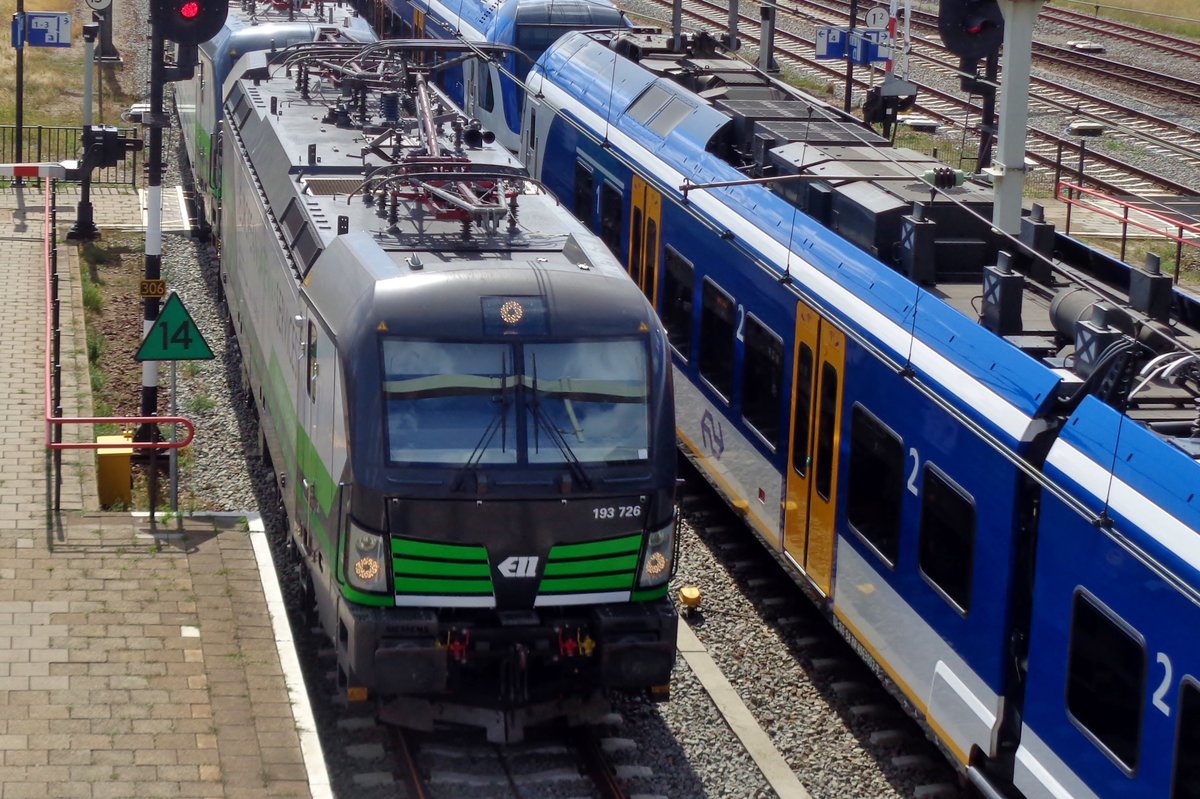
<point>174,336</point>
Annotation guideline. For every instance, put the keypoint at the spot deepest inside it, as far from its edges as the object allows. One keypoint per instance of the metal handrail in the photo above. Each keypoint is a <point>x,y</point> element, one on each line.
<point>53,367</point>
<point>1070,193</point>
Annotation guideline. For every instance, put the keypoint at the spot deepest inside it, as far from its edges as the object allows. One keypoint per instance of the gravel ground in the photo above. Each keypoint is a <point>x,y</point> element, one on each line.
<point>689,750</point>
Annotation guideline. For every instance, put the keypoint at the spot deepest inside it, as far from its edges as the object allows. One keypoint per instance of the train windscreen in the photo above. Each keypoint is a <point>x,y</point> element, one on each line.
<point>539,402</point>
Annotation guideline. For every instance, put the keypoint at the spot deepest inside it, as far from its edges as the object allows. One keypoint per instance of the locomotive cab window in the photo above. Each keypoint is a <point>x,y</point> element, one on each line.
<point>1187,743</point>
<point>876,483</point>
<point>718,322</point>
<point>487,93</point>
<point>678,299</point>
<point>1106,682</point>
<point>947,542</point>
<point>584,191</point>
<point>762,378</point>
<point>488,404</point>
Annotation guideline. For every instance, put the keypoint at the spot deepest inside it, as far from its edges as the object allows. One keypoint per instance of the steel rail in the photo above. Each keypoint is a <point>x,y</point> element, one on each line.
<point>1150,181</point>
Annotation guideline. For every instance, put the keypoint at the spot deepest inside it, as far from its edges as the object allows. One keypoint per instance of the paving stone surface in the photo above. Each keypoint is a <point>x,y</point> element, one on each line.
<point>135,661</point>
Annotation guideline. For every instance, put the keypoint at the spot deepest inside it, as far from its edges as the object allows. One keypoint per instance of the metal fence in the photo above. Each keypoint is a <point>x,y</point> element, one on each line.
<point>42,143</point>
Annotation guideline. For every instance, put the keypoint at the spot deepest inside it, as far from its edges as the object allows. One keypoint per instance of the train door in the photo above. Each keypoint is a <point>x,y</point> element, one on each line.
<point>315,417</point>
<point>419,31</point>
<point>811,501</point>
<point>382,18</point>
<point>644,226</point>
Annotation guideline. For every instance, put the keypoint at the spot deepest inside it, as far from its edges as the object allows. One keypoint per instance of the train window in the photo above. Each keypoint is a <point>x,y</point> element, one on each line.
<point>650,259</point>
<point>826,429</point>
<point>450,402</point>
<point>584,191</point>
<point>947,544</point>
<point>876,483</point>
<point>1106,681</point>
<point>487,93</point>
<point>292,219</point>
<point>636,263</point>
<point>678,289</point>
<point>610,216</point>
<point>675,112</point>
<point>306,248</point>
<point>761,380</point>
<point>804,376</point>
<point>310,352</point>
<point>718,315</point>
<point>654,98</point>
<point>1187,744</point>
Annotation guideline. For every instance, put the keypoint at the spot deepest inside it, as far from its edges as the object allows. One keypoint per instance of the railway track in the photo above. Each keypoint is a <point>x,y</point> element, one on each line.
<point>1045,148</point>
<point>574,762</point>
<point>1152,40</point>
<point>1138,80</point>
<point>853,689</point>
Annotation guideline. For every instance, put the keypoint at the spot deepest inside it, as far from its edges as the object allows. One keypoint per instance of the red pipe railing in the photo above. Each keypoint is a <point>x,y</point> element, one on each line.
<point>1070,193</point>
<point>53,366</point>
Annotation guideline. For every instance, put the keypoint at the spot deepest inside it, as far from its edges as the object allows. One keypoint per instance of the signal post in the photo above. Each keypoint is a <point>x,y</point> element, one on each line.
<point>187,23</point>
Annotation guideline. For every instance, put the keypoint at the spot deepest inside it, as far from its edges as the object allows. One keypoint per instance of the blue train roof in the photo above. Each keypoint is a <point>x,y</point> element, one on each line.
<point>496,21</point>
<point>1152,494</point>
<point>680,129</point>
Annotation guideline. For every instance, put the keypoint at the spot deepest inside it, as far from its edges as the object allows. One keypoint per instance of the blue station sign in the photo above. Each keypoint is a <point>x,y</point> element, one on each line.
<point>41,29</point>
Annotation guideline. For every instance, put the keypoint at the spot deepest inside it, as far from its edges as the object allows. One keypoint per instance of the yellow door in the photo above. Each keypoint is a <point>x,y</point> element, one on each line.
<point>811,502</point>
<point>645,224</point>
<point>419,31</point>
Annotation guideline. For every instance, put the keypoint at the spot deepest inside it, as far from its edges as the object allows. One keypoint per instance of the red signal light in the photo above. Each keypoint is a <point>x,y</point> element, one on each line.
<point>190,9</point>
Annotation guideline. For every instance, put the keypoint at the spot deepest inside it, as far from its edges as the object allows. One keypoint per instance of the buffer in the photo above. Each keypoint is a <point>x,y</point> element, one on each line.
<point>174,336</point>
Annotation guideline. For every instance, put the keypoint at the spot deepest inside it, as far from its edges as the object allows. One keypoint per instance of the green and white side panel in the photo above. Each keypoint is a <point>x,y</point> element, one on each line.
<point>429,574</point>
<point>593,572</point>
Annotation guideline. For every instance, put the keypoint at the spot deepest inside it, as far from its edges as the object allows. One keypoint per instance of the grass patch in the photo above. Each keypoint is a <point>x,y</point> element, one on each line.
<point>93,299</point>
<point>1136,251</point>
<point>102,408</point>
<point>201,403</point>
<point>96,346</point>
<point>1180,17</point>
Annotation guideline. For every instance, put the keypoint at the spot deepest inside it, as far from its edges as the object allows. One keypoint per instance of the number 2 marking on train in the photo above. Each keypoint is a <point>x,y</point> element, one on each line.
<point>1165,685</point>
<point>912,477</point>
<point>741,323</point>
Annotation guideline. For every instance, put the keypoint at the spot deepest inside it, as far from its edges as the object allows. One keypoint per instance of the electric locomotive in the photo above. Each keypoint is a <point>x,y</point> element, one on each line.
<point>466,401</point>
<point>250,27</point>
<point>977,453</point>
<point>492,90</point>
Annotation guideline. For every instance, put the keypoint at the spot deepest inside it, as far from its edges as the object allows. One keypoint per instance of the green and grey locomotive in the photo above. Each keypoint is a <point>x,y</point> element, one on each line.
<point>466,400</point>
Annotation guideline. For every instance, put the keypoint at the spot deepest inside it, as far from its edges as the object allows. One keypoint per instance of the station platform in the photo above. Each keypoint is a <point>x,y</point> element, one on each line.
<point>136,660</point>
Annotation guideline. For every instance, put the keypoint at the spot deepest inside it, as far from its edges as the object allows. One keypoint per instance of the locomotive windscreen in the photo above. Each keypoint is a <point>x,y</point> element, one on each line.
<point>492,403</point>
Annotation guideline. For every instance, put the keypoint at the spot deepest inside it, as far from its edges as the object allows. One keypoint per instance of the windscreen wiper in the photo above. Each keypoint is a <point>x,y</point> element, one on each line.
<point>499,421</point>
<point>556,436</point>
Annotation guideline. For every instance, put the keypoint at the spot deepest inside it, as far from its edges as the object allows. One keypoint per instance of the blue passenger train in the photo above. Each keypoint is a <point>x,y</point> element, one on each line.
<point>978,453</point>
<point>492,91</point>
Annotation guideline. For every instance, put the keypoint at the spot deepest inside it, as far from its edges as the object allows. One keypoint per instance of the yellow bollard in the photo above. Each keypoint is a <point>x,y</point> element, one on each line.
<point>114,471</point>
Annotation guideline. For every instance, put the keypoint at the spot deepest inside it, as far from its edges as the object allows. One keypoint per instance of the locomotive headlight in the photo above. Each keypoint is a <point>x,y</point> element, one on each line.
<point>658,560</point>
<point>365,560</point>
